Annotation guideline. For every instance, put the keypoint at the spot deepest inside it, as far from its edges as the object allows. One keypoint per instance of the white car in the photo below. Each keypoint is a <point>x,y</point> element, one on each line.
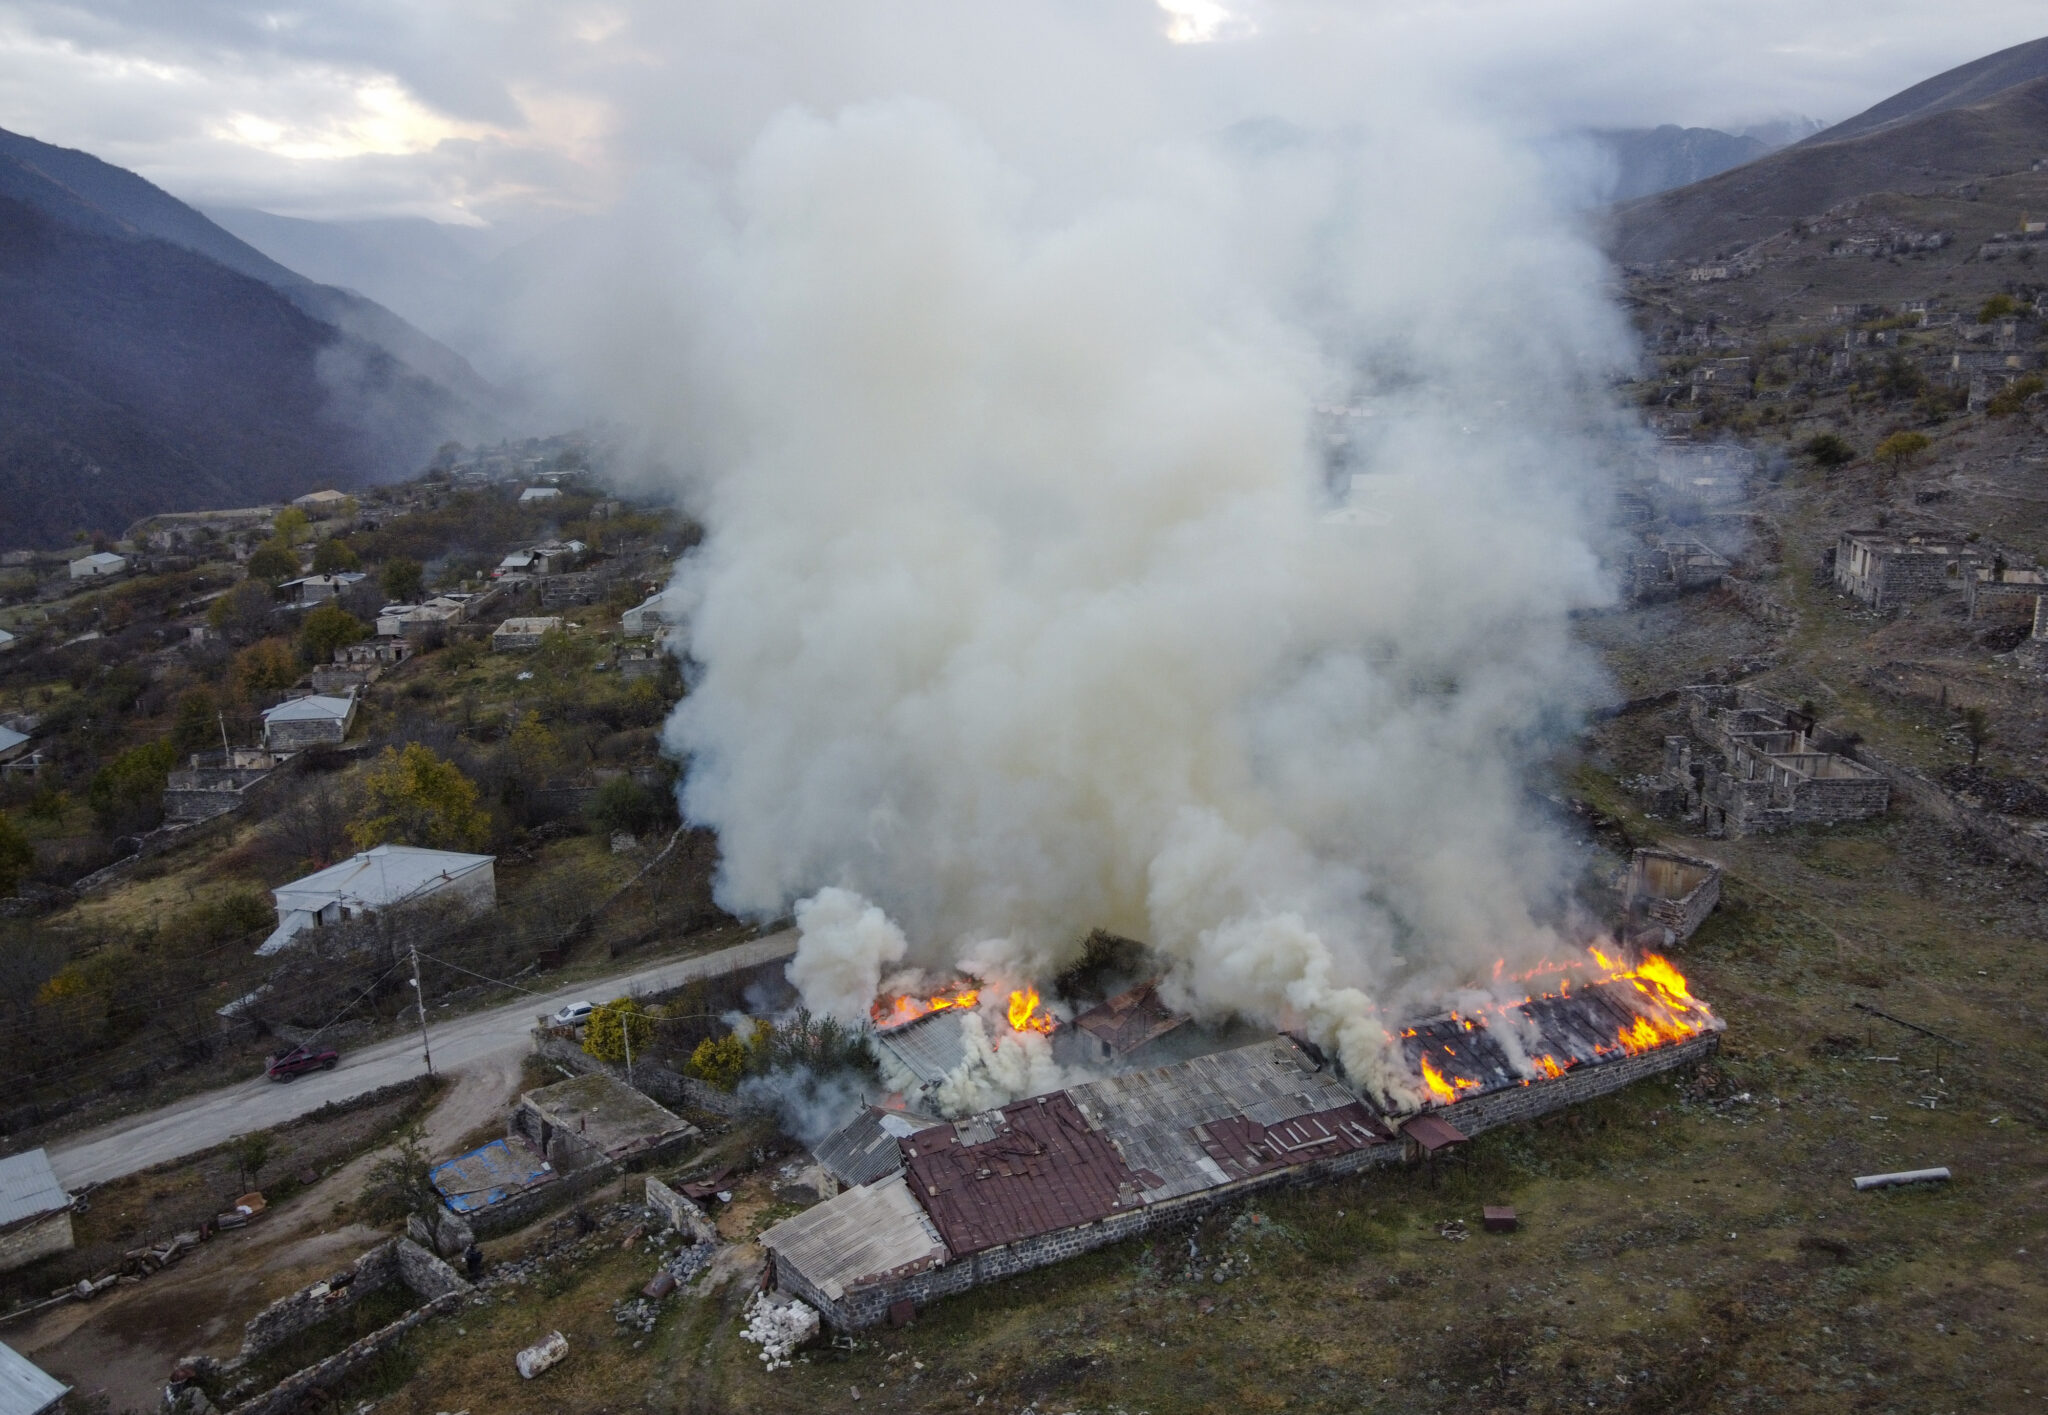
<point>574,1014</point>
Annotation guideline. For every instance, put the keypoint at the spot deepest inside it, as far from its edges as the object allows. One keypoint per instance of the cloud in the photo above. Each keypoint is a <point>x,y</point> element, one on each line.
<point>473,110</point>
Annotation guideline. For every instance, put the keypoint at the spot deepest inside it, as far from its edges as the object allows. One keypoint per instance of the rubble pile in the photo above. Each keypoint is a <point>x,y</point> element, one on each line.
<point>778,1328</point>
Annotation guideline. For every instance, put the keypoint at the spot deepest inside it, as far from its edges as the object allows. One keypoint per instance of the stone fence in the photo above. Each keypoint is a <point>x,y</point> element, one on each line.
<point>666,1085</point>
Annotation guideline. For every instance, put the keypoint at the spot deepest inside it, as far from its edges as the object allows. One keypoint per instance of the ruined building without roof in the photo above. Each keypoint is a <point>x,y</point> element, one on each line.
<point>1888,571</point>
<point>1762,769</point>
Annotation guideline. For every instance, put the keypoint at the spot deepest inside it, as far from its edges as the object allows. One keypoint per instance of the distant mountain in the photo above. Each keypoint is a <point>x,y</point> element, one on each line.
<point>1648,160</point>
<point>150,361</point>
<point>423,270</point>
<point>1953,131</point>
<point>1962,87</point>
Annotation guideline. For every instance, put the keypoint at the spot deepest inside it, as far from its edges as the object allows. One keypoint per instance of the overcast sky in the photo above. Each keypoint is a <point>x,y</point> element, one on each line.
<point>494,110</point>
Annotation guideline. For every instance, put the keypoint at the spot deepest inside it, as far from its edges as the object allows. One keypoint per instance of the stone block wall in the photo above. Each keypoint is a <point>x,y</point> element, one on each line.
<point>2003,599</point>
<point>36,1239</point>
<point>682,1214</point>
<point>296,736</point>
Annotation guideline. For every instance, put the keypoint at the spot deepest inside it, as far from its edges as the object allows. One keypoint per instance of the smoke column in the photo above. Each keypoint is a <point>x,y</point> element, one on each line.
<point>1191,562</point>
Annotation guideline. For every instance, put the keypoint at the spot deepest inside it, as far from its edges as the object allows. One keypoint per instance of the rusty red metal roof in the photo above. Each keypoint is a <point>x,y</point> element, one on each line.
<point>1242,1147</point>
<point>1432,1132</point>
<point>1041,1167</point>
<point>1129,1020</point>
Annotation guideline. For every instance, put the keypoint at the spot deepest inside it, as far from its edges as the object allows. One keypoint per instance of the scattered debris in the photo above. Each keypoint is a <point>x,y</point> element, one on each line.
<point>778,1328</point>
<point>548,1351</point>
<point>1904,1176</point>
<point>1453,1229</point>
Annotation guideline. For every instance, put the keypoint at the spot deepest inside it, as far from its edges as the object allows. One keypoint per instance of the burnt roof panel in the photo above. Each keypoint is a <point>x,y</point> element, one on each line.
<point>1043,1168</point>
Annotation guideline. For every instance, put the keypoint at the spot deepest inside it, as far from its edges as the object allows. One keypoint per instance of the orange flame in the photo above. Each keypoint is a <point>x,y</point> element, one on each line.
<point>1024,1013</point>
<point>1666,1012</point>
<point>894,1012</point>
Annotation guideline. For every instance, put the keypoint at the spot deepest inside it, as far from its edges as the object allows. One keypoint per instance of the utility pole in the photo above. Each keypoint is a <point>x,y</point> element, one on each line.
<point>420,996</point>
<point>222,719</point>
<point>626,1035</point>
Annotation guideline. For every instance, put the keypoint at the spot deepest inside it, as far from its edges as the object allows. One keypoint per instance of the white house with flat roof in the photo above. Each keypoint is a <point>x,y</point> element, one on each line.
<point>388,877</point>
<point>539,493</point>
<point>105,563</point>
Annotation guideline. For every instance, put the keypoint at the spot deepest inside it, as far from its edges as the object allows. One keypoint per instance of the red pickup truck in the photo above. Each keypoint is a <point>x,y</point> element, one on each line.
<point>290,1065</point>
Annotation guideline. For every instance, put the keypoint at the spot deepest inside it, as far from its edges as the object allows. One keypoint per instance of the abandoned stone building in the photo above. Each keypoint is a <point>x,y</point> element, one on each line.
<point>596,1119</point>
<point>1670,894</point>
<point>215,783</point>
<point>1761,769</point>
<point>1674,565</point>
<point>1888,572</point>
<point>2001,591</point>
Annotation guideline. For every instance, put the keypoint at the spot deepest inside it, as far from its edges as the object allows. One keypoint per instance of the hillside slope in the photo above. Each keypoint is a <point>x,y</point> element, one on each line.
<point>84,191</point>
<point>137,377</point>
<point>1932,152</point>
<point>1960,87</point>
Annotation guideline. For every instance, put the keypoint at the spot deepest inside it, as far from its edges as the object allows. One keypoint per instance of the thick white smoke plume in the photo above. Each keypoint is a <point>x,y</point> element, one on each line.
<point>1193,564</point>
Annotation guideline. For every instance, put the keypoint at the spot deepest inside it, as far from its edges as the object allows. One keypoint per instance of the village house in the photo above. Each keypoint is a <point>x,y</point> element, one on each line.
<point>515,634</point>
<point>384,652</point>
<point>419,621</point>
<point>322,503</point>
<point>26,1388</point>
<point>596,1119</point>
<point>387,877</point>
<point>308,722</point>
<point>1676,565</point>
<point>318,589</point>
<point>12,744</point>
<point>538,493</point>
<point>648,618</point>
<point>35,1212</point>
<point>1888,572</point>
<point>103,565</point>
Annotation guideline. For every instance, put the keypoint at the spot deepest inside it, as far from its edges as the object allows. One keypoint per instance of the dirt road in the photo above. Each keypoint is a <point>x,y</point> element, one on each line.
<point>486,1043</point>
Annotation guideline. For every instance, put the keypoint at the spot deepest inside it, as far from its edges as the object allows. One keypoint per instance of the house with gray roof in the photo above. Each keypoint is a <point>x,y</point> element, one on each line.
<point>26,1388</point>
<point>35,1212</point>
<point>387,877</point>
<point>308,722</point>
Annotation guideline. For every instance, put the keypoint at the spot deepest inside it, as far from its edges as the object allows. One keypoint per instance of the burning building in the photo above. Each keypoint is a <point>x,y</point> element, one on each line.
<point>1040,1180</point>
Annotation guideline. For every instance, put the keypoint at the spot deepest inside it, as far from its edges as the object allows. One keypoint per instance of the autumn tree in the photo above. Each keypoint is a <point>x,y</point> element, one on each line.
<point>718,1061</point>
<point>333,555</point>
<point>613,1025</point>
<point>1901,448</point>
<point>326,629</point>
<point>291,527</point>
<point>244,612</point>
<point>266,666</point>
<point>402,579</point>
<point>414,797</point>
<point>273,563</point>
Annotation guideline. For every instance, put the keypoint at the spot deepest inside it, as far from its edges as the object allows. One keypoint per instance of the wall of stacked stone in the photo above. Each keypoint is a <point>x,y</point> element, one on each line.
<point>868,1305</point>
<point>1945,806</point>
<point>296,736</point>
<point>1827,802</point>
<point>2003,598</point>
<point>1684,916</point>
<point>36,1238</point>
<point>288,1316</point>
<point>289,1394</point>
<point>1905,577</point>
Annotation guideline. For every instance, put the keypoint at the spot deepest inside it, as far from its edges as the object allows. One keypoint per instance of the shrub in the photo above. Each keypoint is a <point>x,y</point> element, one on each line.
<point>263,667</point>
<point>1997,307</point>
<point>127,793</point>
<point>718,1061</point>
<point>332,555</point>
<point>613,1025</point>
<point>624,804</point>
<point>1827,451</point>
<point>2013,397</point>
<point>1900,448</point>
<point>402,579</point>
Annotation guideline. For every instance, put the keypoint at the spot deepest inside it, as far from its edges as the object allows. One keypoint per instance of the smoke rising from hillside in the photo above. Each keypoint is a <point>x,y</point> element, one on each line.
<point>1192,564</point>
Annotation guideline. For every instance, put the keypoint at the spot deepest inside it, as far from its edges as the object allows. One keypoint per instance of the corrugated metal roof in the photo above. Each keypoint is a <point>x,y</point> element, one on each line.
<point>379,878</point>
<point>1129,1020</point>
<point>1151,1115</point>
<point>860,1234</point>
<point>26,1388</point>
<point>931,1048</point>
<point>28,1187</point>
<point>865,1148</point>
<point>10,738</point>
<point>315,708</point>
<point>1032,1167</point>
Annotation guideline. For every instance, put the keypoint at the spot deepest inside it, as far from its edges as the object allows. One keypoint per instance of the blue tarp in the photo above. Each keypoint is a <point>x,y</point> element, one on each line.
<point>489,1175</point>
